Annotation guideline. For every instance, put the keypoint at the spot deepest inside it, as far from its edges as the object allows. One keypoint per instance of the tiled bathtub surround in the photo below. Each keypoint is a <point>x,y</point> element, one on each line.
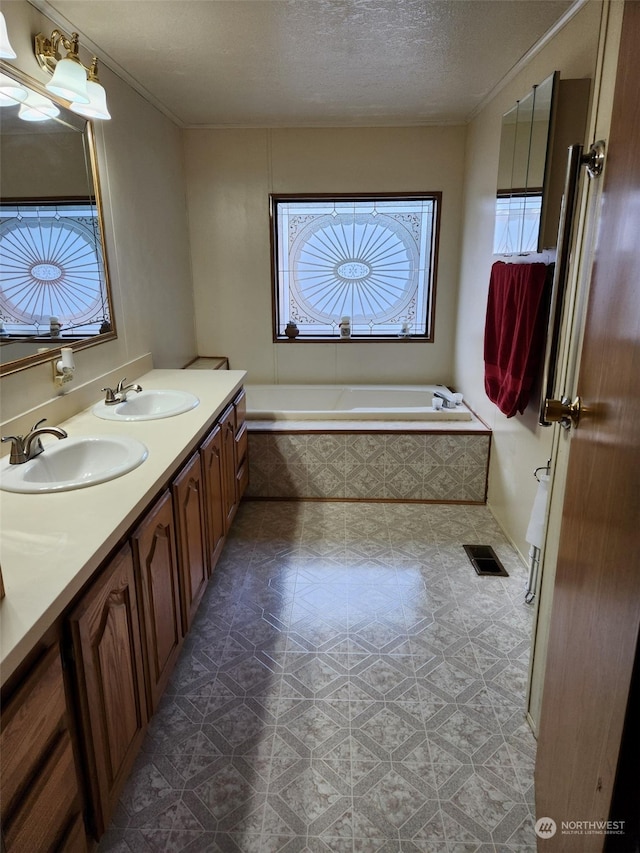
<point>370,466</point>
<point>349,685</point>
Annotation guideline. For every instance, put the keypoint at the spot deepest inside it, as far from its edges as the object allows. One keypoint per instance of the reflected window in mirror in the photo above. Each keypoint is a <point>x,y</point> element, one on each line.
<point>54,280</point>
<point>51,270</point>
<point>517,223</point>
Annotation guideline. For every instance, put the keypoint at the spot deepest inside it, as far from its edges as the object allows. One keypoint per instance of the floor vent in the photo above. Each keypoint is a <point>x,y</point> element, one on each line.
<point>484,561</point>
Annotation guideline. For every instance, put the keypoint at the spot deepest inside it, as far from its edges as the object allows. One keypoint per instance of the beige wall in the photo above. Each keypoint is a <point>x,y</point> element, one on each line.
<point>519,444</point>
<point>140,156</point>
<point>230,174</point>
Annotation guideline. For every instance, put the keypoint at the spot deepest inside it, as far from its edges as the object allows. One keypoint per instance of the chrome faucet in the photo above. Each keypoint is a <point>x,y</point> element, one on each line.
<point>120,394</point>
<point>24,448</point>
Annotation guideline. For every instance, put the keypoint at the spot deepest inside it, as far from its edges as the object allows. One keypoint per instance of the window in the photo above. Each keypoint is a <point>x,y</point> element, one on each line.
<point>51,266</point>
<point>369,258</point>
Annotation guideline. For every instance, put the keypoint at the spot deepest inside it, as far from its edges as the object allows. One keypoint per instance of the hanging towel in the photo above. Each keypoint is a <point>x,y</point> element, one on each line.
<point>514,333</point>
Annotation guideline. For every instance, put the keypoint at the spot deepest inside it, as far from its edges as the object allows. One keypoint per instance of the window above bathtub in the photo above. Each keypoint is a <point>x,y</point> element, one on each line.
<point>368,259</point>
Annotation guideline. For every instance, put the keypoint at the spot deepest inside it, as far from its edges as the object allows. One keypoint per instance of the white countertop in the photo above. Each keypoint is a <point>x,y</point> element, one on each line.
<point>51,544</point>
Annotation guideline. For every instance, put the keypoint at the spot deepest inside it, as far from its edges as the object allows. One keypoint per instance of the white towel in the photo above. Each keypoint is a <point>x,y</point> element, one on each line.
<point>535,531</point>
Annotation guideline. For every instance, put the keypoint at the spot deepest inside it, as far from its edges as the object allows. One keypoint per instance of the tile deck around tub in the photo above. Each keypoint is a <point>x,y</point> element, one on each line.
<point>395,465</point>
<point>349,684</point>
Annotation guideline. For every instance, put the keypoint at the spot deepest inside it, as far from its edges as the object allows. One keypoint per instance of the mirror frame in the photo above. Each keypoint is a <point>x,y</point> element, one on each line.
<point>53,353</point>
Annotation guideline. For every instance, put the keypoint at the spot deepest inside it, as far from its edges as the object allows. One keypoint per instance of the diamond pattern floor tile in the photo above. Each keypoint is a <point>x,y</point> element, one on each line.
<point>349,685</point>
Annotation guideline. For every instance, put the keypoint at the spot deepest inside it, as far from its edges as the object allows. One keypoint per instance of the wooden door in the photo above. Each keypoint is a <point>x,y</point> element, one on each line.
<point>211,454</point>
<point>189,505</point>
<point>106,635</point>
<point>596,610</point>
<point>154,548</point>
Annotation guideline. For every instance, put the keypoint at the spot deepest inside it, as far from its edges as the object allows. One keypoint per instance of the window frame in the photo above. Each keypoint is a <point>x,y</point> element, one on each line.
<point>431,276</point>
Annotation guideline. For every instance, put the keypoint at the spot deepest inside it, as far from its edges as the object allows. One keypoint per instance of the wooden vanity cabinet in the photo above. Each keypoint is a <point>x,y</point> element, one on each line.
<point>41,808</point>
<point>156,563</point>
<point>106,638</point>
<point>188,491</point>
<point>121,639</point>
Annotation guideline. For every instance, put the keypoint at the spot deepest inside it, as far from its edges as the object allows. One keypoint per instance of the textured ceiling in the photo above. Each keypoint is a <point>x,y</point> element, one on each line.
<point>311,62</point>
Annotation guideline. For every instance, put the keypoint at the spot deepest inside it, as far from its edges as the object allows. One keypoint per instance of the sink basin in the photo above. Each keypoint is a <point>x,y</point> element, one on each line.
<point>73,463</point>
<point>148,406</point>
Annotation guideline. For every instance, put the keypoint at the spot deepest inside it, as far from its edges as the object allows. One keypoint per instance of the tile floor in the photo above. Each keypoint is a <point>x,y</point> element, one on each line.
<point>349,685</point>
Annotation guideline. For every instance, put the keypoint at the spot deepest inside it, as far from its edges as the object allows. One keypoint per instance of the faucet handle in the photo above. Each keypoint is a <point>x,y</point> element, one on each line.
<point>17,456</point>
<point>36,425</point>
<point>120,385</point>
<point>110,398</point>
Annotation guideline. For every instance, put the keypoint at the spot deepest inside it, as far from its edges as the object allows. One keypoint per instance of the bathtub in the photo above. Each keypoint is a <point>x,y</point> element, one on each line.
<point>349,402</point>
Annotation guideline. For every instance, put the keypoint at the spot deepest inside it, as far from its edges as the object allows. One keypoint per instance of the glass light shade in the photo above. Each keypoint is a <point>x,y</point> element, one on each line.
<point>6,51</point>
<point>11,92</point>
<point>97,106</point>
<point>69,81</point>
<point>37,108</point>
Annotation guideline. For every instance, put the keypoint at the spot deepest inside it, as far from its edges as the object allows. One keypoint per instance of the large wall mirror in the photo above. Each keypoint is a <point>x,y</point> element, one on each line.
<point>54,280</point>
<point>536,134</point>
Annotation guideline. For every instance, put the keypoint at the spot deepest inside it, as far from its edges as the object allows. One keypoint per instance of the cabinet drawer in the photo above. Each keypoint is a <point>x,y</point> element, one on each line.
<point>30,721</point>
<point>44,811</point>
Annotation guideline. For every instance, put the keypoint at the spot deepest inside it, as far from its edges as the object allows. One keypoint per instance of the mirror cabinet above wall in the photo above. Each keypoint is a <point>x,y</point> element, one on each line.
<point>536,134</point>
<point>54,281</point>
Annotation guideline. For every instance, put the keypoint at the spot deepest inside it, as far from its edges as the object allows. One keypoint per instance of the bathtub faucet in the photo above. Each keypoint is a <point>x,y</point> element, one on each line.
<point>448,401</point>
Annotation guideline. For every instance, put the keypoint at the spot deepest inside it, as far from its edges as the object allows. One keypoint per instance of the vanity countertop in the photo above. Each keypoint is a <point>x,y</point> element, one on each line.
<point>51,544</point>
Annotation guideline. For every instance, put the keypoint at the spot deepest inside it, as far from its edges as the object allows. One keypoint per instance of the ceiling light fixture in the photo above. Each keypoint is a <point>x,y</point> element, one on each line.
<point>72,80</point>
<point>6,51</point>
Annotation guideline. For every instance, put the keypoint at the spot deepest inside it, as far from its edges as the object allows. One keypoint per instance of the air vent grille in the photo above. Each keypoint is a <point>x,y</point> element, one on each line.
<point>484,561</point>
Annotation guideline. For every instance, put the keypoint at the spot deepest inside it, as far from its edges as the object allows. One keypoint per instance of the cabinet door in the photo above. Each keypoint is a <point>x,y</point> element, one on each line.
<point>229,493</point>
<point>211,455</point>
<point>154,549</point>
<point>189,506</point>
<point>106,636</point>
<point>39,801</point>
<point>242,467</point>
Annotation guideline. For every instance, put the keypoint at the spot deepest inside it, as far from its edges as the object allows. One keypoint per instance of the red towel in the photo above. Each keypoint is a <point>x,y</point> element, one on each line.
<point>514,333</point>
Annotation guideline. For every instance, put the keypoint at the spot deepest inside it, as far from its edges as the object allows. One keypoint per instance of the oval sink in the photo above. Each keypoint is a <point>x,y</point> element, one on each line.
<point>73,463</point>
<point>148,406</point>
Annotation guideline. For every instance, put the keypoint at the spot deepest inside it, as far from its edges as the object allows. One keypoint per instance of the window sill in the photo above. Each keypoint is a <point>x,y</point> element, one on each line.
<point>354,339</point>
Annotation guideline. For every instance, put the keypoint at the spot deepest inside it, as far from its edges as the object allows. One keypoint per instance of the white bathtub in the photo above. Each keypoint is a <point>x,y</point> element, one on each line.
<point>349,402</point>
